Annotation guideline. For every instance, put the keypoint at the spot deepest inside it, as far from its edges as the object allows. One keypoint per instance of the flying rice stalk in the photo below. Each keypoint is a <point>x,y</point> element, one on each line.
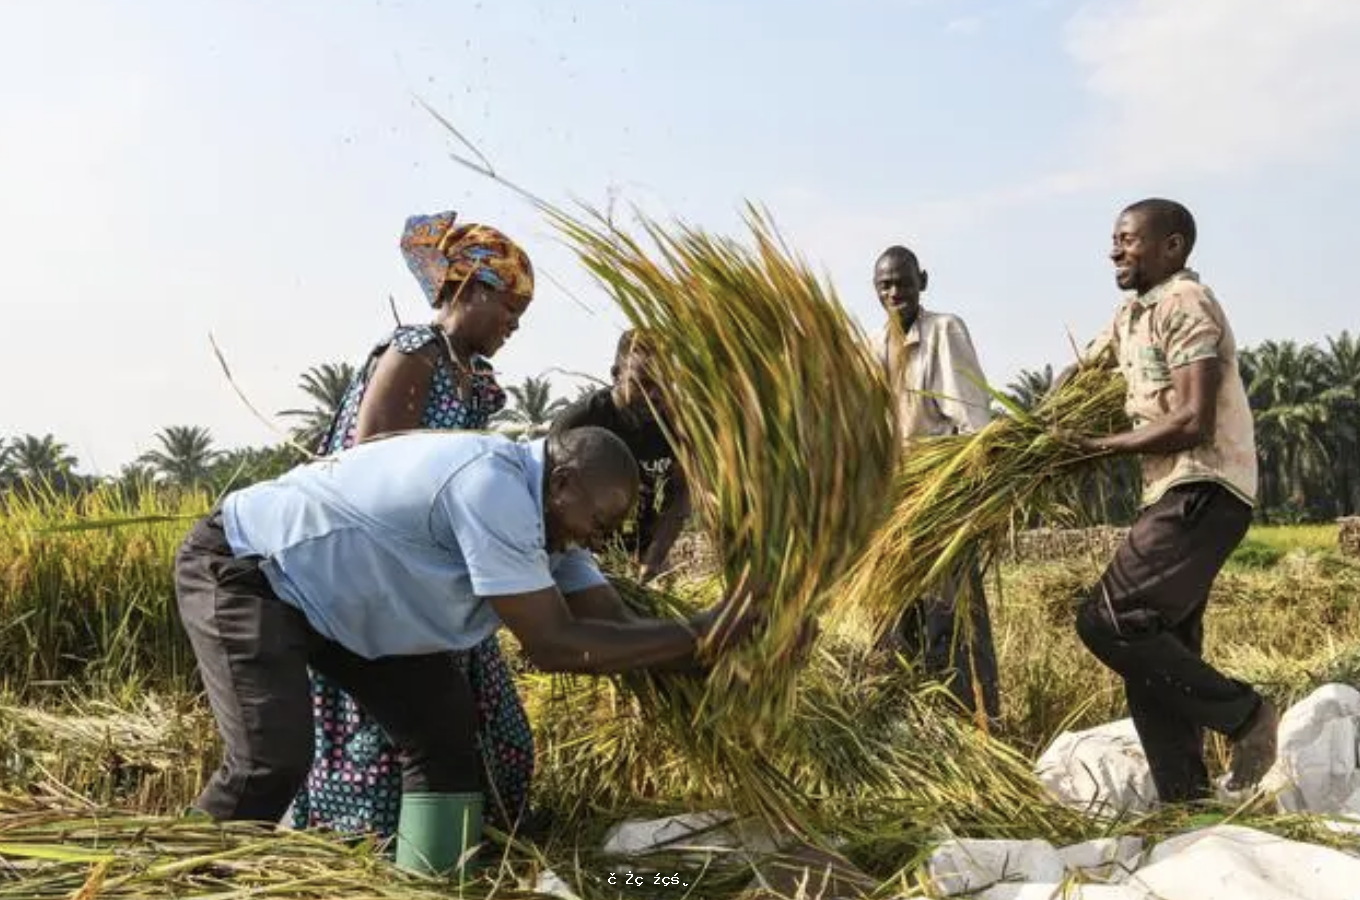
<point>782,422</point>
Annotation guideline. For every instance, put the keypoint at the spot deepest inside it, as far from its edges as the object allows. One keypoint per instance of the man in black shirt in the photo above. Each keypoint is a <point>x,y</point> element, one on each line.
<point>626,409</point>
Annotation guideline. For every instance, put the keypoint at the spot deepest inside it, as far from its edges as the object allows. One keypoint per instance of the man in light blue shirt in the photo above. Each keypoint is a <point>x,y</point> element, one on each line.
<point>370,565</point>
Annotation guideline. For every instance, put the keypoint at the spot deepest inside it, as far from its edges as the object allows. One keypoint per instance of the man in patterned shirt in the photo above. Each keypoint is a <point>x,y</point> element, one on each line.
<point>937,382</point>
<point>1192,427</point>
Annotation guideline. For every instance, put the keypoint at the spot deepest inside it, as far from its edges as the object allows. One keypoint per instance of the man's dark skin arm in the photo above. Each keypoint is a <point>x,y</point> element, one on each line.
<point>1187,426</point>
<point>675,510</point>
<point>601,603</point>
<point>555,640</point>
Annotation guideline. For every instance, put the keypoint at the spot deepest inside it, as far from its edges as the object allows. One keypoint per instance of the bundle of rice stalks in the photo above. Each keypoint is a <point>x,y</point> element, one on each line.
<point>782,422</point>
<point>609,744</point>
<point>866,758</point>
<point>154,757</point>
<point>959,497</point>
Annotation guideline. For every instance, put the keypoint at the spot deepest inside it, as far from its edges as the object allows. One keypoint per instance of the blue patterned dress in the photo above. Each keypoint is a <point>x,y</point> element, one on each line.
<point>355,782</point>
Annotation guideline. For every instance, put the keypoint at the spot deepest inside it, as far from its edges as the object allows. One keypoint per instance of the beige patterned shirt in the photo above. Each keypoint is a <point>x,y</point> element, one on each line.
<point>935,376</point>
<point>1173,325</point>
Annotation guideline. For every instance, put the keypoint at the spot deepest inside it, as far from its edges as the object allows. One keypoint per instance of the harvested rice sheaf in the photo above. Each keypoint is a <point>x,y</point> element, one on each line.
<point>867,755</point>
<point>958,498</point>
<point>783,425</point>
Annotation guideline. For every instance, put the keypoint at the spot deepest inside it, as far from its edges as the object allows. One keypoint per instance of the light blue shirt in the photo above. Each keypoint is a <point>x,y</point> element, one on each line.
<point>390,548</point>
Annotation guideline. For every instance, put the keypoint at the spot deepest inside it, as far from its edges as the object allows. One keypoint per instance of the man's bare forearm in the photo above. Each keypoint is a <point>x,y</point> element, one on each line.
<point>1173,434</point>
<point>603,648</point>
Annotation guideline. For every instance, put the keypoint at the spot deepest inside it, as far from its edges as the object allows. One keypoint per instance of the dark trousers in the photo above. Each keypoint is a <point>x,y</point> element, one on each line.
<point>253,651</point>
<point>927,631</point>
<point>1145,620</point>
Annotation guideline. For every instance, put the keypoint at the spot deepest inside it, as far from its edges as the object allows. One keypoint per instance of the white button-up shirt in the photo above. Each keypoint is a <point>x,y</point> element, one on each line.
<point>935,375</point>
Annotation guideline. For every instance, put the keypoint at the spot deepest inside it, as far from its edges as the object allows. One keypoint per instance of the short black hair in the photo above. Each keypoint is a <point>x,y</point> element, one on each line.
<point>601,457</point>
<point>901,254</point>
<point>1167,217</point>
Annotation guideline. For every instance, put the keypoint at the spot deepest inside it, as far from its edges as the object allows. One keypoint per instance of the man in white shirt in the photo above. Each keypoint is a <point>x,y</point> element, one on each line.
<point>938,383</point>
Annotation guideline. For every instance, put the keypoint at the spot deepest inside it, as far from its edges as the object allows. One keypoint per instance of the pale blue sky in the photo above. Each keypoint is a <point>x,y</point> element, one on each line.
<point>243,167</point>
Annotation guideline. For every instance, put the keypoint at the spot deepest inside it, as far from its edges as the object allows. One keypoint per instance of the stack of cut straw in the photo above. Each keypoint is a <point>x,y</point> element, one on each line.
<point>64,853</point>
<point>154,756</point>
<point>783,422</point>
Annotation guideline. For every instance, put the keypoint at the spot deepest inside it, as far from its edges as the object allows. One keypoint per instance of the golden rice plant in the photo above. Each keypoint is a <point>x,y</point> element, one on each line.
<point>85,602</point>
<point>959,497</point>
<point>782,421</point>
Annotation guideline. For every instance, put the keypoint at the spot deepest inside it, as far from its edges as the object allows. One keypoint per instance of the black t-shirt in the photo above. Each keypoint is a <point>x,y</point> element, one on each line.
<point>650,448</point>
<point>647,441</point>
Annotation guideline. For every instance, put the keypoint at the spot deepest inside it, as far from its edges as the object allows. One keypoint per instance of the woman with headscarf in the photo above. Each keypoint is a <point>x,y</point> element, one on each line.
<point>429,376</point>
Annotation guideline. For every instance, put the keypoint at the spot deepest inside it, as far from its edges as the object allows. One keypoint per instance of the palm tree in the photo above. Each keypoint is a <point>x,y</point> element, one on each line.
<point>1341,369</point>
<point>533,410</point>
<point>1030,387</point>
<point>41,461</point>
<point>133,480</point>
<point>6,464</point>
<point>245,466</point>
<point>327,385</point>
<point>1292,407</point>
<point>185,455</point>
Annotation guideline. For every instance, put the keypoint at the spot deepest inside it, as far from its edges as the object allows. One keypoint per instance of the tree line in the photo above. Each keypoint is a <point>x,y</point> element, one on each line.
<point>1305,400</point>
<point>187,458</point>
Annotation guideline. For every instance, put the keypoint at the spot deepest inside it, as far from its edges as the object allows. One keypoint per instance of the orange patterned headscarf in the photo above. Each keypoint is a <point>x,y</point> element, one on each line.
<point>437,251</point>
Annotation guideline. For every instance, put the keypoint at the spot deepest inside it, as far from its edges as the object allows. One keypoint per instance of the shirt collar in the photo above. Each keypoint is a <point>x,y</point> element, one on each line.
<point>1156,293</point>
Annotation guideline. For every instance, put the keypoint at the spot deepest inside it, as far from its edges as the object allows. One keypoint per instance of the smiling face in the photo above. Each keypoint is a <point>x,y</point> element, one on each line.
<point>1143,258</point>
<point>899,281</point>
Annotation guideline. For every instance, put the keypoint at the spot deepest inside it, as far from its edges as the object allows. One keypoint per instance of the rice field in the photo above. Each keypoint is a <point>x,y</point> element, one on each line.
<point>100,712</point>
<point>840,754</point>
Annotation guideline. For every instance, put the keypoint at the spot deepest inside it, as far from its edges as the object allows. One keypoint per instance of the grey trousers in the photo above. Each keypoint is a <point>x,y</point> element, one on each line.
<point>253,651</point>
<point>1145,620</point>
<point>926,632</point>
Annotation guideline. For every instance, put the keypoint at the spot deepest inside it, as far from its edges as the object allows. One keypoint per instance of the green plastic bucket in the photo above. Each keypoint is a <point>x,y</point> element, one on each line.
<point>435,831</point>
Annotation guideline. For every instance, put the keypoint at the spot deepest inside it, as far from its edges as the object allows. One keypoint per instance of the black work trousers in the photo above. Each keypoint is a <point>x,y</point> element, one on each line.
<point>928,633</point>
<point>253,651</point>
<point>1145,620</point>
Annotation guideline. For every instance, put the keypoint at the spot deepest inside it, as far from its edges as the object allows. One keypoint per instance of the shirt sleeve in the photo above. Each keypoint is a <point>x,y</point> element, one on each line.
<point>498,527</point>
<point>959,388</point>
<point>1106,342</point>
<point>1191,330</point>
<point>576,570</point>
